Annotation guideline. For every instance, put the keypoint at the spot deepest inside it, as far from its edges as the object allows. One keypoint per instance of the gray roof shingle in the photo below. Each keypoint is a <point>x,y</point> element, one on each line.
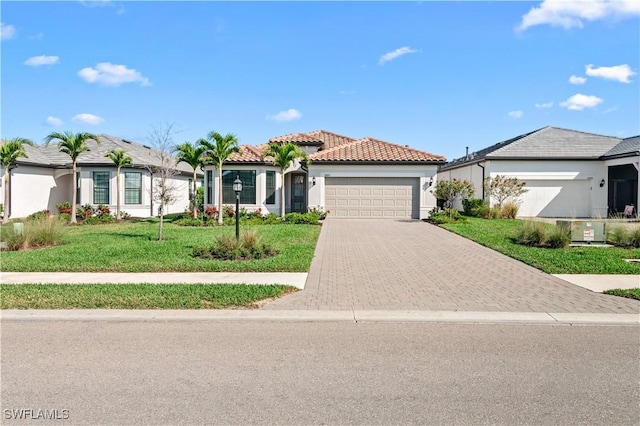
<point>142,155</point>
<point>628,147</point>
<point>544,144</point>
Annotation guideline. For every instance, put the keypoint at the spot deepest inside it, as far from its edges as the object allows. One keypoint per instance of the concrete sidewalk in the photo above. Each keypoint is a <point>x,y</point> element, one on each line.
<point>595,283</point>
<point>600,283</point>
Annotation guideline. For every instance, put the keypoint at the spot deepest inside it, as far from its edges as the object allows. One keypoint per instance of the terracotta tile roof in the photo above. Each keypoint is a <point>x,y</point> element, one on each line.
<point>298,138</point>
<point>374,150</point>
<point>247,154</point>
<point>329,139</point>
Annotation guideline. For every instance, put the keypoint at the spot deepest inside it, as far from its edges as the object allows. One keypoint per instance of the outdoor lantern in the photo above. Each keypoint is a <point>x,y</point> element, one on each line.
<point>601,183</point>
<point>237,188</point>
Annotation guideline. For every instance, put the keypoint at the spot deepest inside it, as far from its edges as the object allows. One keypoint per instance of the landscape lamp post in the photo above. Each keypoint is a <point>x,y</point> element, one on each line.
<point>237,188</point>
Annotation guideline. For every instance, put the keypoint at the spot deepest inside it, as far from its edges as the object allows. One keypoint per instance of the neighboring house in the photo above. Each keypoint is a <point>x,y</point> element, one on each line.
<point>43,180</point>
<point>359,178</point>
<point>567,173</point>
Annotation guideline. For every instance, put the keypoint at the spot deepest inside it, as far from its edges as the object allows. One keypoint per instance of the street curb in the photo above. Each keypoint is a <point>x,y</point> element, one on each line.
<point>318,316</point>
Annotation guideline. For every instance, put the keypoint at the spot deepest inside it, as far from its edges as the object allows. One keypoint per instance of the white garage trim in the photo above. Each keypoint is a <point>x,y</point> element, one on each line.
<point>373,197</point>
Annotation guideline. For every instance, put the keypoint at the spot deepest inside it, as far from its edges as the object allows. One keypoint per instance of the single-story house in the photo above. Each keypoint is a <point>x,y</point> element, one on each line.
<point>350,178</point>
<point>567,173</point>
<point>43,179</point>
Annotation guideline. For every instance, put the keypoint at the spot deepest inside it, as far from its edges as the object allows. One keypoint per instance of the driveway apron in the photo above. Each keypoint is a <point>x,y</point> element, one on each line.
<point>413,265</point>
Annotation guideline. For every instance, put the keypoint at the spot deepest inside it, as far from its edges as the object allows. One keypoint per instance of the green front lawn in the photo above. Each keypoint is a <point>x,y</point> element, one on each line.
<point>631,293</point>
<point>497,235</point>
<point>137,296</point>
<point>133,247</point>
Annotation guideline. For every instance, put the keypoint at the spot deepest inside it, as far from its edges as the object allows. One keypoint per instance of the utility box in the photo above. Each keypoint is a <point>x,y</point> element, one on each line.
<point>585,231</point>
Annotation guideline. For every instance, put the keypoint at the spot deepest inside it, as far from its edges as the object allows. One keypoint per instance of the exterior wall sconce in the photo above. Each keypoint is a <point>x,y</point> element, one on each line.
<point>601,183</point>
<point>430,181</point>
<point>313,181</point>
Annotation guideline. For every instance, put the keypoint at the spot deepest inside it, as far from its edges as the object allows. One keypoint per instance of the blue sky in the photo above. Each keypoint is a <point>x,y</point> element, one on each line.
<point>438,76</point>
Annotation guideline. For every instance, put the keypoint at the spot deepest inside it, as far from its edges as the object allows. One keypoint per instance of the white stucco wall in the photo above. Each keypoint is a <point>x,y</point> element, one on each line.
<point>39,188</point>
<point>424,173</point>
<point>33,189</point>
<point>179,182</point>
<point>560,188</point>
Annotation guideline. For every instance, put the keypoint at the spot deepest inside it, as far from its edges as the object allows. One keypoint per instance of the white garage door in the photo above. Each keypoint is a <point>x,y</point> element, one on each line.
<point>372,197</point>
<point>556,198</point>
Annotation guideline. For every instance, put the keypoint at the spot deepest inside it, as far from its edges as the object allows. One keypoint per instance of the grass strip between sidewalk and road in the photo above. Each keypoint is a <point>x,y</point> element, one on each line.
<point>499,235</point>
<point>631,293</point>
<point>137,296</point>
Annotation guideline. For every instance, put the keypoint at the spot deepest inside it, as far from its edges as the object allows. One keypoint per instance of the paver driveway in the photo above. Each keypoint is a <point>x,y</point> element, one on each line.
<point>413,265</point>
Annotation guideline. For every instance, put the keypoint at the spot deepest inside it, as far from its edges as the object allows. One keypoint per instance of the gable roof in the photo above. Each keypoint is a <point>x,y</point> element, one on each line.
<point>548,143</point>
<point>141,155</point>
<point>627,148</point>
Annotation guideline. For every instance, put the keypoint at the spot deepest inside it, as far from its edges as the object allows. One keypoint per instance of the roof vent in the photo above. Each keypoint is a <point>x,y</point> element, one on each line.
<point>146,146</point>
<point>126,141</point>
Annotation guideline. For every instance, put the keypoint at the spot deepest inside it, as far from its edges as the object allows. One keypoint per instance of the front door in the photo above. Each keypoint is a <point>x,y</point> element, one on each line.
<point>299,192</point>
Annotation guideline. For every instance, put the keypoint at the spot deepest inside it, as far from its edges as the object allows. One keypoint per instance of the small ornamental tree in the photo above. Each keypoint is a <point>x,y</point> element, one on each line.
<point>502,188</point>
<point>450,190</point>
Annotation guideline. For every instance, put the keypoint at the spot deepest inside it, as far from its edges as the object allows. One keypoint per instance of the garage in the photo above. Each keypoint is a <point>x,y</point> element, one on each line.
<point>366,197</point>
<point>556,198</point>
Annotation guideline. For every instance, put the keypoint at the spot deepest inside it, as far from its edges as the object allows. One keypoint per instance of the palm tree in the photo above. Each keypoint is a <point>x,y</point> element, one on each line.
<point>193,156</point>
<point>10,151</point>
<point>284,155</point>
<point>217,150</point>
<point>72,144</point>
<point>121,159</point>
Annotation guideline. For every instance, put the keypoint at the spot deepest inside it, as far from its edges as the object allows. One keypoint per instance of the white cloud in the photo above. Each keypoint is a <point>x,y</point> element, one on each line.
<point>36,61</point>
<point>88,119</point>
<point>390,56</point>
<point>288,115</point>
<point>7,31</point>
<point>544,105</point>
<point>96,3</point>
<point>574,79</point>
<point>572,13</point>
<point>53,121</point>
<point>515,114</point>
<point>109,74</point>
<point>619,73</point>
<point>579,102</point>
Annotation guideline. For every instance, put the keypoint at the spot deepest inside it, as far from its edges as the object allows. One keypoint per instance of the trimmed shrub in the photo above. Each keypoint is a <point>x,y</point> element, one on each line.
<point>39,215</point>
<point>64,208</point>
<point>474,206</point>
<point>189,221</point>
<point>446,216</point>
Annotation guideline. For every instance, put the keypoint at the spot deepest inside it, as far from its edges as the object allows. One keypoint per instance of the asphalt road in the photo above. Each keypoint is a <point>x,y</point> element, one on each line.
<point>319,373</point>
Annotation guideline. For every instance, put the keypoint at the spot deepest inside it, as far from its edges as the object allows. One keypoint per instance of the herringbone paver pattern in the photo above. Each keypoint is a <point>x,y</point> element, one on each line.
<point>412,265</point>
